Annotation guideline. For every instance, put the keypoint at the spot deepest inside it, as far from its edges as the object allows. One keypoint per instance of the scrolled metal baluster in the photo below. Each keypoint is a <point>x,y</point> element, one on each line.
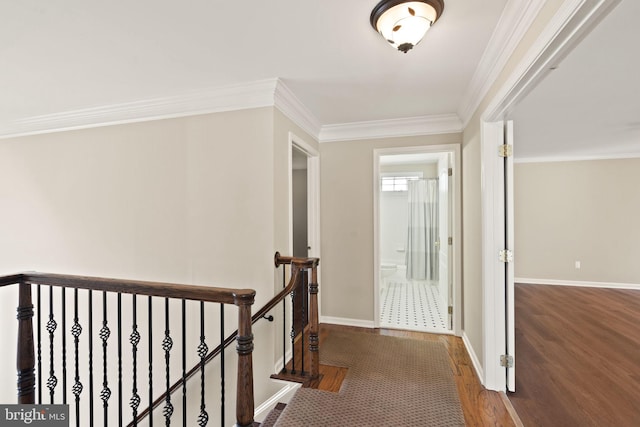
<point>134,339</point>
<point>76,330</point>
<point>293,331</point>
<point>167,344</point>
<point>51,327</point>
<point>203,350</point>
<point>105,393</point>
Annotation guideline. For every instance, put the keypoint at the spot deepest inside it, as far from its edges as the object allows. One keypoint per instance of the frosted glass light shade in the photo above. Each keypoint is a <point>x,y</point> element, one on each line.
<point>404,23</point>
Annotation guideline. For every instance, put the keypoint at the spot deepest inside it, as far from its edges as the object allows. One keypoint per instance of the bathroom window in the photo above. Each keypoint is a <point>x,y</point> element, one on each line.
<point>398,181</point>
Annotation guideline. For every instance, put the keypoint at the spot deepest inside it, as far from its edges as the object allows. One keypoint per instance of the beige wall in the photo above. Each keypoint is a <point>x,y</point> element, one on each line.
<point>472,319</point>
<point>188,200</point>
<point>583,211</point>
<point>347,222</point>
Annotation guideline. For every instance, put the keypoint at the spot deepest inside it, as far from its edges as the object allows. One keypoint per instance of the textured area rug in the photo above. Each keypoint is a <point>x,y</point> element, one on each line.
<point>391,382</point>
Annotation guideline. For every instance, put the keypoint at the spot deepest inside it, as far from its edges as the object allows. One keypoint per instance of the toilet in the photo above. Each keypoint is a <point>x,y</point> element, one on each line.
<point>387,270</point>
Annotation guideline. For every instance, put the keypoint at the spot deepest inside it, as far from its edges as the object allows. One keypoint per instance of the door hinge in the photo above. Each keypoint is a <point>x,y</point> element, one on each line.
<point>450,309</point>
<point>506,361</point>
<point>505,150</point>
<point>506,255</point>
<point>450,171</point>
<point>450,240</point>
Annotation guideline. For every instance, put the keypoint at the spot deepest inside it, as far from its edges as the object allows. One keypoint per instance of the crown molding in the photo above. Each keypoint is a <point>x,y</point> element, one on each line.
<point>571,23</point>
<point>411,126</point>
<point>290,106</point>
<point>516,18</point>
<point>226,98</point>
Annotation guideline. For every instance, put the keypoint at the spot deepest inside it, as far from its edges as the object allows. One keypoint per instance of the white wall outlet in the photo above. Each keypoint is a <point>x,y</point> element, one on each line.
<point>578,265</point>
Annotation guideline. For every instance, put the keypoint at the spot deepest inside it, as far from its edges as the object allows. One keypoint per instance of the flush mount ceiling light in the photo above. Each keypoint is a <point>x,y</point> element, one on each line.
<point>404,23</point>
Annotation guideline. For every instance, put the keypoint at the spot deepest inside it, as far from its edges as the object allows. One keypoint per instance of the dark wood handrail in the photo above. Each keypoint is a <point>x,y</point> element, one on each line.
<point>138,287</point>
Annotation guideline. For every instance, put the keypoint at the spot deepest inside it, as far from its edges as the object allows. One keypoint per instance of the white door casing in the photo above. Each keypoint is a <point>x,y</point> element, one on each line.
<point>443,233</point>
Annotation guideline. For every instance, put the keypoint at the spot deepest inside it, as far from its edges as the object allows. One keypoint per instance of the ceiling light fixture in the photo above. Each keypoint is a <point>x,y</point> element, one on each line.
<point>404,23</point>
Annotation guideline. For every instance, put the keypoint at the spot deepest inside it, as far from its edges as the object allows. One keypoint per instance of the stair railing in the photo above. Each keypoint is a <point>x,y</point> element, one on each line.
<point>31,362</point>
<point>303,320</point>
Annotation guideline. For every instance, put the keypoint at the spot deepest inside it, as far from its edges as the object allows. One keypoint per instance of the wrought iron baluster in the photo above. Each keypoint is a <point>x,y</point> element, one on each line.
<point>303,289</point>
<point>134,339</point>
<point>293,330</point>
<point>39,356</point>
<point>284,323</point>
<point>64,346</point>
<point>119,359</point>
<point>52,381</point>
<point>90,357</point>
<point>222,386</point>
<point>105,394</point>
<point>150,311</point>
<point>203,418</point>
<point>167,344</point>
<point>76,330</point>
<point>184,363</point>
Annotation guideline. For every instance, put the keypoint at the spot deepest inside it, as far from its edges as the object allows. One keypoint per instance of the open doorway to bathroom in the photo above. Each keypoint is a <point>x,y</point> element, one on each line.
<point>414,239</point>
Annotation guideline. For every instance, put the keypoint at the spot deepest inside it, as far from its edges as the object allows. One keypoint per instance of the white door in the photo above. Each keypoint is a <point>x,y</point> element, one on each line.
<point>509,266</point>
<point>443,236</point>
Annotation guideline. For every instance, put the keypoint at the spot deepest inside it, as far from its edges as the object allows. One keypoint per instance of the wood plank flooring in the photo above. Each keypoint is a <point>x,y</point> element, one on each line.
<point>481,407</point>
<point>577,356</point>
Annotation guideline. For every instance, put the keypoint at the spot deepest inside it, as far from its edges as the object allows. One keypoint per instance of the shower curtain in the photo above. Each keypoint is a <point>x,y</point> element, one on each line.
<point>421,254</point>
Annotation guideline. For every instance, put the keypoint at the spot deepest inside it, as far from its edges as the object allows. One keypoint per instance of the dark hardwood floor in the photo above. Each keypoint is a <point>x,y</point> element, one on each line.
<point>481,407</point>
<point>577,356</point>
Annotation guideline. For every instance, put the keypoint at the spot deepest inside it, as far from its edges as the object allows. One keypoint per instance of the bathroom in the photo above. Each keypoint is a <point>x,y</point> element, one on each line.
<point>413,221</point>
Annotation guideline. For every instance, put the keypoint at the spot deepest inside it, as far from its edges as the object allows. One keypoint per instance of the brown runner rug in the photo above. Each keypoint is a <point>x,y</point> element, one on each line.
<point>391,382</point>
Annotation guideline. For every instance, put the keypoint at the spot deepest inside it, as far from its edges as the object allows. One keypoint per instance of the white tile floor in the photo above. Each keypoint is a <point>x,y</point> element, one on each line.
<point>413,304</point>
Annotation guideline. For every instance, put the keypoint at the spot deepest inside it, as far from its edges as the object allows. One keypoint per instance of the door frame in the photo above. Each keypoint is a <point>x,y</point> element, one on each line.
<point>455,230</point>
<point>313,193</point>
<point>571,23</point>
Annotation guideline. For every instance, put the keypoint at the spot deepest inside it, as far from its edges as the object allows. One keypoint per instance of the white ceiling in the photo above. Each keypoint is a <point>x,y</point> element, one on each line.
<point>589,107</point>
<point>66,55</point>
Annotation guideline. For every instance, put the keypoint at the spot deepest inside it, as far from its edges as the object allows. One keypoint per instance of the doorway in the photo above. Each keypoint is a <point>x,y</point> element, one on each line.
<point>415,228</point>
<point>304,203</point>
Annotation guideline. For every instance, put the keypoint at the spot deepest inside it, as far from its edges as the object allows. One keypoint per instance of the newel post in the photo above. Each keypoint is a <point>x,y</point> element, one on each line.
<point>25,356</point>
<point>244,347</point>
<point>314,323</point>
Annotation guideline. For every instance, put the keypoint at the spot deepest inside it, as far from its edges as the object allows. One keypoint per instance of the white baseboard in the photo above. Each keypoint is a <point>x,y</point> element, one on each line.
<point>347,322</point>
<point>474,357</point>
<point>609,285</point>
<point>283,395</point>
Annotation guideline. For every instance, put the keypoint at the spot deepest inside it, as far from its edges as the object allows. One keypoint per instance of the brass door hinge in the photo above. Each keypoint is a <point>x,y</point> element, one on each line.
<point>506,361</point>
<point>505,150</point>
<point>505,255</point>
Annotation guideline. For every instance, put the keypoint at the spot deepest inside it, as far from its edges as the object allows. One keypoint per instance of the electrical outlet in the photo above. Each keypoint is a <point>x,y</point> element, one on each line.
<point>578,265</point>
